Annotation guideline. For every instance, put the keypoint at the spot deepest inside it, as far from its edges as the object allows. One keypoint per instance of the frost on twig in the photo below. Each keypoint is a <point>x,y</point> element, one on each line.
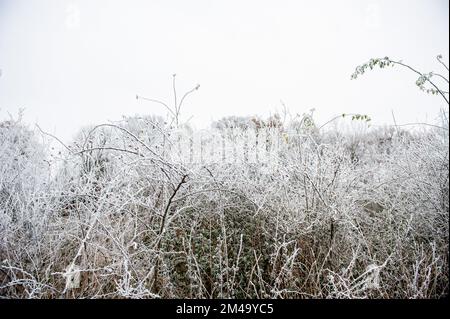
<point>73,276</point>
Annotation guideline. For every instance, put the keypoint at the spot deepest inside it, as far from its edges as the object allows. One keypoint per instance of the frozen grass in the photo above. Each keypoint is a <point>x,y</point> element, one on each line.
<point>115,215</point>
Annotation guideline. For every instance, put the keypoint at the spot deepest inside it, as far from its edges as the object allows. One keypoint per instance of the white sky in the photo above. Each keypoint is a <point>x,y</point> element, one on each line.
<point>72,63</point>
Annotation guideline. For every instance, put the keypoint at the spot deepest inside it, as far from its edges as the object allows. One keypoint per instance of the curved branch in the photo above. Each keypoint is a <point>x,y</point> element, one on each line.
<point>186,94</point>
<point>53,136</point>
<point>439,57</point>
<point>425,124</point>
<point>420,74</point>
<point>108,148</point>
<point>156,101</point>
<point>174,92</point>
<point>337,117</point>
<point>159,158</point>
<point>442,77</point>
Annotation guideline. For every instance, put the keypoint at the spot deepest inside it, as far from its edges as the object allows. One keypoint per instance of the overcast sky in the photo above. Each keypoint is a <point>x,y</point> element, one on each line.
<point>72,63</point>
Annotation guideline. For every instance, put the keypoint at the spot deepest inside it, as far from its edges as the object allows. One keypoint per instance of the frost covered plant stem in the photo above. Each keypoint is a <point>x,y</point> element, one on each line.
<point>175,109</point>
<point>420,82</point>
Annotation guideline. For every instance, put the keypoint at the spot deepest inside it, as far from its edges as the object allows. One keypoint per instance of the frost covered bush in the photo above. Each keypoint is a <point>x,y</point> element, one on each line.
<point>24,179</point>
<point>122,215</point>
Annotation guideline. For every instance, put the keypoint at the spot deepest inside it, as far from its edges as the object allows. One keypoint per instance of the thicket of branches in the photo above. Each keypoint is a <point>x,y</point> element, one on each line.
<point>114,215</point>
